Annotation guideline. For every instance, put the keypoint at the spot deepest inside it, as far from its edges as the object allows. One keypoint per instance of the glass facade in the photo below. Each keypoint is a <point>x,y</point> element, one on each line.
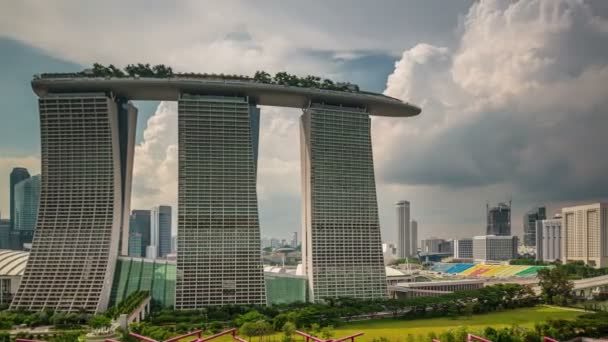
<point>218,240</point>
<point>27,194</point>
<point>341,244</point>
<point>284,289</point>
<point>135,274</point>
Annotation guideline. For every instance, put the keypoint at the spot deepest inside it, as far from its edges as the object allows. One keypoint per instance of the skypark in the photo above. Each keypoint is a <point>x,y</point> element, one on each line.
<point>171,87</point>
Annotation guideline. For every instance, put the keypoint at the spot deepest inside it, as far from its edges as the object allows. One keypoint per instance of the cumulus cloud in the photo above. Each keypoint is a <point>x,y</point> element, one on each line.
<point>519,103</point>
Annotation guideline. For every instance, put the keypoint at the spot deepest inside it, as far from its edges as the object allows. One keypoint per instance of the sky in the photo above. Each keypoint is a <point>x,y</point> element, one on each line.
<point>514,94</point>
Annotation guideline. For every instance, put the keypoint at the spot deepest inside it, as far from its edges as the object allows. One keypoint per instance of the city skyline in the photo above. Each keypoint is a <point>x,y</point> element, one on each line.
<point>449,187</point>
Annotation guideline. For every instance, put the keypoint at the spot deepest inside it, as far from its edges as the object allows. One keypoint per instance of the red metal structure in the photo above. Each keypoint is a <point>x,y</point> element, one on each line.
<point>549,339</point>
<point>310,338</point>
<point>197,333</point>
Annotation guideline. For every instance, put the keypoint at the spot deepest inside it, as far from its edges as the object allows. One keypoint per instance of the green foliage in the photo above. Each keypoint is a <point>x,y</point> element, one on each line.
<point>578,270</point>
<point>100,322</point>
<point>288,330</point>
<point>128,305</point>
<point>555,285</point>
<point>251,316</point>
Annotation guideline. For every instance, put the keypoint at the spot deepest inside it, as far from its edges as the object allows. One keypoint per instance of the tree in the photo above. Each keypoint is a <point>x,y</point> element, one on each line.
<point>251,316</point>
<point>248,329</point>
<point>100,322</point>
<point>288,329</point>
<point>327,332</point>
<point>554,282</point>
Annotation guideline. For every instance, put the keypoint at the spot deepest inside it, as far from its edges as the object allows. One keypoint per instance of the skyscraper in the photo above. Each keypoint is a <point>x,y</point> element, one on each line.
<point>414,238</point>
<point>135,244</point>
<point>585,234</point>
<point>218,239</point>
<point>160,228</point>
<point>404,243</point>
<point>83,198</point>
<point>499,219</point>
<point>549,239</point>
<point>5,230</point>
<point>27,195</point>
<point>530,218</point>
<point>140,223</point>
<point>18,174</point>
<point>341,244</point>
<point>294,240</point>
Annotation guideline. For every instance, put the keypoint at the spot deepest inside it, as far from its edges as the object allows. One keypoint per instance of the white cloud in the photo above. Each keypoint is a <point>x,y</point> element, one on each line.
<point>519,103</point>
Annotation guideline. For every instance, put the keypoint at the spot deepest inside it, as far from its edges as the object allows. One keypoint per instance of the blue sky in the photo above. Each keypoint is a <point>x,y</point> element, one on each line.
<point>513,94</point>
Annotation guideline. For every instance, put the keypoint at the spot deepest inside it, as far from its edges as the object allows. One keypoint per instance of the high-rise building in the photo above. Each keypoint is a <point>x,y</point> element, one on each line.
<point>494,248</point>
<point>499,219</point>
<point>160,228</point>
<point>294,240</point>
<point>218,231</point>
<point>463,249</point>
<point>135,244</point>
<point>585,234</point>
<point>341,243</point>
<point>5,231</point>
<point>140,223</point>
<point>414,238</point>
<point>87,145</point>
<point>404,242</point>
<point>530,219</point>
<point>549,239</point>
<point>18,174</point>
<point>26,197</point>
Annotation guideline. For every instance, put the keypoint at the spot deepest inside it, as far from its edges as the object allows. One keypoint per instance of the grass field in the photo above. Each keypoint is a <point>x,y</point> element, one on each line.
<point>397,330</point>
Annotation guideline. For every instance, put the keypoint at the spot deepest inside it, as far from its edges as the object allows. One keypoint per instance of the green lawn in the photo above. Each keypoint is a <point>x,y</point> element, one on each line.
<point>397,330</point>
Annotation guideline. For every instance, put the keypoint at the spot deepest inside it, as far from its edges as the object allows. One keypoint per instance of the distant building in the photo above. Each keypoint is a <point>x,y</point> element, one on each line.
<point>494,248</point>
<point>463,249</point>
<point>404,243</point>
<point>294,240</point>
<point>549,239</point>
<point>173,244</point>
<point>26,197</point>
<point>140,222</point>
<point>160,230</point>
<point>446,247</point>
<point>431,245</point>
<point>530,219</point>
<point>18,174</point>
<point>5,231</point>
<point>151,252</point>
<point>499,219</point>
<point>585,234</point>
<point>389,251</point>
<point>414,238</point>
<point>275,243</point>
<point>135,244</point>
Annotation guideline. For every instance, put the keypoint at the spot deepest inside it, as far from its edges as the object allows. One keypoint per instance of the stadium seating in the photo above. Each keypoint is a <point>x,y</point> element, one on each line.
<point>480,270</point>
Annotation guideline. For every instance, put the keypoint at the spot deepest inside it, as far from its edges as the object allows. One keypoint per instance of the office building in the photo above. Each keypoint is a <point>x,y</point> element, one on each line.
<point>140,222</point>
<point>488,248</point>
<point>5,233</point>
<point>160,230</point>
<point>463,249</point>
<point>549,239</point>
<point>26,197</point>
<point>404,242</point>
<point>17,175</point>
<point>218,232</point>
<point>135,244</point>
<point>341,243</point>
<point>414,238</point>
<point>499,219</point>
<point>585,234</point>
<point>173,244</point>
<point>530,219</point>
<point>431,245</point>
<point>294,240</point>
<point>87,154</point>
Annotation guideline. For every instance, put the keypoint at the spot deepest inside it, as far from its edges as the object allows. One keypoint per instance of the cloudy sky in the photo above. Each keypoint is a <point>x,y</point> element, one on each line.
<point>514,93</point>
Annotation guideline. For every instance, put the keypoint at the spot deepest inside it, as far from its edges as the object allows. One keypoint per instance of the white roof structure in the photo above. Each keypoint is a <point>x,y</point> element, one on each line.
<point>12,263</point>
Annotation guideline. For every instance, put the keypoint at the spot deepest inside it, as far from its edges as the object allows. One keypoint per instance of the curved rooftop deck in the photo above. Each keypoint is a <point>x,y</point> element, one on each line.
<point>169,89</point>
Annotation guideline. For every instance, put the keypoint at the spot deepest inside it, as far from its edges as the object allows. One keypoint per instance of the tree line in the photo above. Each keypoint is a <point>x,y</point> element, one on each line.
<point>163,71</point>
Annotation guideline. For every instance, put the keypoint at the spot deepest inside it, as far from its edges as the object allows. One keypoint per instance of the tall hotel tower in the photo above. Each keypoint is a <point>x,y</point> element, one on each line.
<point>87,145</point>
<point>341,244</point>
<point>218,260</point>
